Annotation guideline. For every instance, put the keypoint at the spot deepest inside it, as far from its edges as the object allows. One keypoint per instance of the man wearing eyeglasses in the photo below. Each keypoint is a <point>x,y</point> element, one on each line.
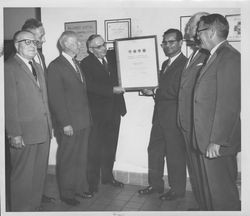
<point>166,140</point>
<point>27,122</point>
<point>216,116</point>
<point>107,106</point>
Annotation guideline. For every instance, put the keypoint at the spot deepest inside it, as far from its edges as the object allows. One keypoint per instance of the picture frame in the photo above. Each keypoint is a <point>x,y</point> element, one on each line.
<point>117,29</point>
<point>183,22</point>
<point>137,63</point>
<point>84,29</point>
<point>234,21</point>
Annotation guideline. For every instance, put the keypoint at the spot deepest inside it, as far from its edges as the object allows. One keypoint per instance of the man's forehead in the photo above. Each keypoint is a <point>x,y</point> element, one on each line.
<point>39,31</point>
<point>25,35</point>
<point>98,41</point>
<point>171,36</point>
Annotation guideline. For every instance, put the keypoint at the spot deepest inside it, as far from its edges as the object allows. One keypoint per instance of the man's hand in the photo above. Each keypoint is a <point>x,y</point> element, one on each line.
<point>118,90</point>
<point>68,130</point>
<point>213,150</point>
<point>17,142</point>
<point>147,92</point>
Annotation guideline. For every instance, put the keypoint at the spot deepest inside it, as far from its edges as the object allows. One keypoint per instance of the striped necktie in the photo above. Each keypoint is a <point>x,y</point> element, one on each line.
<point>33,70</point>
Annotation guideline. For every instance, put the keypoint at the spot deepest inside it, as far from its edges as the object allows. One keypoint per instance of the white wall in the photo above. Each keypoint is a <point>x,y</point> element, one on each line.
<point>146,20</point>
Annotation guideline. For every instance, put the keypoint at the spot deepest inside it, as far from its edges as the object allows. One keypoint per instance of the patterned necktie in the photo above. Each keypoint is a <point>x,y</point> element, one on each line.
<point>33,70</point>
<point>78,70</point>
<point>105,65</point>
<point>167,66</point>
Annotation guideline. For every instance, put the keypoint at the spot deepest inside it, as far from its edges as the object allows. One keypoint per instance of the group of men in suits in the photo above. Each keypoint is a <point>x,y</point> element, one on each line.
<point>202,106</point>
<point>84,109</point>
<point>196,118</point>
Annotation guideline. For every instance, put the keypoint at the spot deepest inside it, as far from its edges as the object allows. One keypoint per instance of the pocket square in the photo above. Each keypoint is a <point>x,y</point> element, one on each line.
<point>200,64</point>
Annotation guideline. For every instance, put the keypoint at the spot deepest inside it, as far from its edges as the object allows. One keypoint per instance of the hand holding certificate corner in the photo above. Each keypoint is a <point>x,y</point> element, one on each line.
<point>137,63</point>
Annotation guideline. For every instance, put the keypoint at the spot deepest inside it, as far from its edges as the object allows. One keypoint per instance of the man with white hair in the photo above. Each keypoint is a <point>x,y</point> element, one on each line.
<point>27,122</point>
<point>70,110</point>
<point>185,99</point>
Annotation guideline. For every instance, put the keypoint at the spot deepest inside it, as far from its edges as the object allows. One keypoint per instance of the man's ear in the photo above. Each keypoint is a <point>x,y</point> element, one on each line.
<point>212,32</point>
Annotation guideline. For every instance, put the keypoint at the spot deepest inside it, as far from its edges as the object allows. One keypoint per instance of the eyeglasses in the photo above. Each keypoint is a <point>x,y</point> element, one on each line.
<point>100,46</point>
<point>28,42</point>
<point>170,42</point>
<point>200,30</point>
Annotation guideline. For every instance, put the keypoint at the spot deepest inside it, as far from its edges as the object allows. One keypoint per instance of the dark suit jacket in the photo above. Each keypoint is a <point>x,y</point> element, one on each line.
<point>67,95</point>
<point>167,94</point>
<point>103,102</point>
<point>26,104</point>
<point>217,101</point>
<point>185,98</point>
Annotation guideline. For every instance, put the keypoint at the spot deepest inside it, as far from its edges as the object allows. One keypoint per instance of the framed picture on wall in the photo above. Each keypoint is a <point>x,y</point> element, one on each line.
<point>84,29</point>
<point>183,22</point>
<point>117,29</point>
<point>234,21</point>
<point>137,62</point>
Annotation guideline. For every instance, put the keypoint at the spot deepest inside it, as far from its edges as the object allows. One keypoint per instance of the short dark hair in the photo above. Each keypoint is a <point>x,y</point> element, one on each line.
<point>219,22</point>
<point>177,32</point>
<point>31,23</point>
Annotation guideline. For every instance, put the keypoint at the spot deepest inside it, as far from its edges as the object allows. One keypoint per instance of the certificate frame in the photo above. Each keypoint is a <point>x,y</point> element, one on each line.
<point>137,63</point>
<point>83,29</point>
<point>234,21</point>
<point>183,22</point>
<point>117,29</point>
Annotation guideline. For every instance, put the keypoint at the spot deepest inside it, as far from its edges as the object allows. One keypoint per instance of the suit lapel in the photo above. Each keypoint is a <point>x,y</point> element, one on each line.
<point>70,67</point>
<point>26,70</point>
<point>212,59</point>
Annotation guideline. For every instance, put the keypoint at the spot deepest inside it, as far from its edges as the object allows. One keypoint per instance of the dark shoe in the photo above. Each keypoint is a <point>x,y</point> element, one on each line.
<point>194,209</point>
<point>39,208</point>
<point>70,201</point>
<point>170,195</point>
<point>85,195</point>
<point>93,189</point>
<point>114,183</point>
<point>149,190</point>
<point>47,199</point>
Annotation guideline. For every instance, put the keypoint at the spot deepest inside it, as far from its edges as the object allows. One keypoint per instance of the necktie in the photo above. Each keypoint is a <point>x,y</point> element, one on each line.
<point>105,65</point>
<point>78,71</point>
<point>33,70</point>
<point>204,63</point>
<point>167,66</point>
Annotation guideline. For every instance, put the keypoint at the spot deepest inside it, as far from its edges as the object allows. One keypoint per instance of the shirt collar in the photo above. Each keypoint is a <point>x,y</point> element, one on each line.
<point>216,47</point>
<point>171,60</point>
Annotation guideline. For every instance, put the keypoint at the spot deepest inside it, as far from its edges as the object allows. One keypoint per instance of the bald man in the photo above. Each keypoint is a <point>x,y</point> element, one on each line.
<point>27,122</point>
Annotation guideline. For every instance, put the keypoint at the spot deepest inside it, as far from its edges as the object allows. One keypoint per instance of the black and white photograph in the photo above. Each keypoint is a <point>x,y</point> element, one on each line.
<point>124,107</point>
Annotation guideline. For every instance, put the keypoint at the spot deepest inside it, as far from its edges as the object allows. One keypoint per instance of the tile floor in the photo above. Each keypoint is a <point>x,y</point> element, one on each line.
<point>116,199</point>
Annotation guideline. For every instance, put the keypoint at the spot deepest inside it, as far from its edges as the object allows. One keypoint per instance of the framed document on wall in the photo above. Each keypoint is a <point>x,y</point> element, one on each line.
<point>137,62</point>
<point>117,29</point>
<point>234,22</point>
<point>84,29</point>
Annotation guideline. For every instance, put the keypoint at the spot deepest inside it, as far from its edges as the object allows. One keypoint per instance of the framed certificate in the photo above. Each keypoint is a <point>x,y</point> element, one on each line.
<point>137,62</point>
<point>84,29</point>
<point>234,22</point>
<point>117,29</point>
